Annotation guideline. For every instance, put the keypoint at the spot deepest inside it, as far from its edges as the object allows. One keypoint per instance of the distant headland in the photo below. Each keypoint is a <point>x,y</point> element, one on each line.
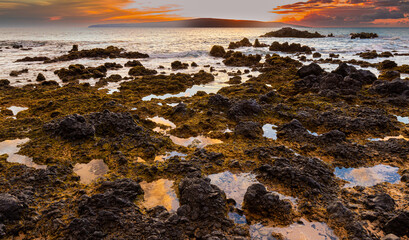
<point>199,23</point>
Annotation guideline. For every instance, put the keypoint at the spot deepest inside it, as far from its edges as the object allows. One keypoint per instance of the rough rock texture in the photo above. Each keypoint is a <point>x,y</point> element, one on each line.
<point>250,130</point>
<point>242,43</point>
<point>290,48</point>
<point>291,32</point>
<point>217,51</point>
<point>259,201</point>
<point>106,123</point>
<point>11,208</point>
<point>243,109</point>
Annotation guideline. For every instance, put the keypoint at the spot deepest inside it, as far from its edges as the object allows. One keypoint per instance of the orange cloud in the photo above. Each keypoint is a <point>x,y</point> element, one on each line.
<point>328,13</point>
<point>82,11</point>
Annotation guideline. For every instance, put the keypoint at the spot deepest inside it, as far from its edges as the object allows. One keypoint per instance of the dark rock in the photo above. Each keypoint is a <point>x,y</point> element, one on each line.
<point>398,225</point>
<point>217,51</point>
<point>202,203</point>
<point>133,63</point>
<point>40,77</point>
<point>293,33</point>
<point>18,73</point>
<point>345,217</point>
<point>141,71</point>
<point>290,48</point>
<point>244,108</point>
<point>382,202</point>
<point>259,201</point>
<point>242,43</point>
<point>177,65</point>
<point>33,59</point>
<point>72,127</point>
<point>219,101</point>
<point>249,130</point>
<point>234,80</point>
<point>193,64</point>
<point>389,75</point>
<point>108,123</point>
<point>387,64</point>
<point>257,44</point>
<point>363,35</point>
<point>238,59</point>
<point>392,88</point>
<point>4,82</point>
<point>363,76</point>
<point>11,208</point>
<point>312,69</point>
<point>316,55</point>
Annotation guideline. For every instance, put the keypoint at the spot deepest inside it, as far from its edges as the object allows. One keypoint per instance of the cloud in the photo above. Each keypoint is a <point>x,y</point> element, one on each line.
<point>81,12</point>
<point>329,13</point>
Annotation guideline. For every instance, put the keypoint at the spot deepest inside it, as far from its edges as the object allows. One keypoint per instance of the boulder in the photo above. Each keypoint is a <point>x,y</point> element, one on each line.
<point>11,208</point>
<point>259,201</point>
<point>217,51</point>
<point>250,130</point>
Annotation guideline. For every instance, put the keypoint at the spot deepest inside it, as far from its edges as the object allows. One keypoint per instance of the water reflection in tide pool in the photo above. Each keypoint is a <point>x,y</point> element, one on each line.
<point>162,158</point>
<point>195,142</point>
<point>16,109</point>
<point>404,120</point>
<point>297,231</point>
<point>269,131</point>
<point>91,171</point>
<point>368,176</point>
<point>235,185</point>
<point>12,147</point>
<point>160,193</point>
<point>162,121</point>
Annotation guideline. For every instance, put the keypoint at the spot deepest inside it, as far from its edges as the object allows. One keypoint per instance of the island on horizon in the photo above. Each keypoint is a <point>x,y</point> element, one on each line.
<point>200,23</point>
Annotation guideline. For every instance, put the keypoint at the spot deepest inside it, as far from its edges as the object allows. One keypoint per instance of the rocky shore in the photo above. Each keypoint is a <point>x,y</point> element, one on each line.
<point>303,140</point>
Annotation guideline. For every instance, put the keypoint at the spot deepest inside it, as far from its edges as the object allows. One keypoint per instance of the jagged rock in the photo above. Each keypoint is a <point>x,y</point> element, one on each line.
<point>398,225</point>
<point>290,48</point>
<point>11,208</point>
<point>363,35</point>
<point>259,201</point>
<point>244,108</point>
<point>294,33</point>
<point>242,43</point>
<point>72,127</point>
<point>40,77</point>
<point>141,71</point>
<point>312,69</point>
<point>249,130</point>
<point>177,65</point>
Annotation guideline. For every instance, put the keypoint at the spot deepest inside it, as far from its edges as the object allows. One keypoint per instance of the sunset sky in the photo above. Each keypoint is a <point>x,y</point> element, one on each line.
<point>320,13</point>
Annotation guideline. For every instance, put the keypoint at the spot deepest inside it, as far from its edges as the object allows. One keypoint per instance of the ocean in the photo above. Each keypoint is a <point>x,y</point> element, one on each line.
<point>165,45</point>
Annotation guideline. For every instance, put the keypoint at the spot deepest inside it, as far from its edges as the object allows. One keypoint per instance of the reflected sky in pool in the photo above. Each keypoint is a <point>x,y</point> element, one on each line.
<point>368,176</point>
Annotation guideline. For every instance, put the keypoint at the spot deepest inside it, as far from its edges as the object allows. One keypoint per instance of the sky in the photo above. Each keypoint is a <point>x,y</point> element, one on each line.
<point>313,13</point>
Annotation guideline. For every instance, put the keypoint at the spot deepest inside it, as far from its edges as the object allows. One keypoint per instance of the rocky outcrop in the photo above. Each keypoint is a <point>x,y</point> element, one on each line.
<point>259,201</point>
<point>239,59</point>
<point>11,208</point>
<point>292,33</point>
<point>177,65</point>
<point>141,71</point>
<point>109,52</point>
<point>243,109</point>
<point>217,51</point>
<point>290,48</point>
<point>363,35</point>
<point>250,130</point>
<point>242,43</point>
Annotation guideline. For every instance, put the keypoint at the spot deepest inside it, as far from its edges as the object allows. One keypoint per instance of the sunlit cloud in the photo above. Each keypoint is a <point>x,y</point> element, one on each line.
<point>329,13</point>
<point>82,12</point>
